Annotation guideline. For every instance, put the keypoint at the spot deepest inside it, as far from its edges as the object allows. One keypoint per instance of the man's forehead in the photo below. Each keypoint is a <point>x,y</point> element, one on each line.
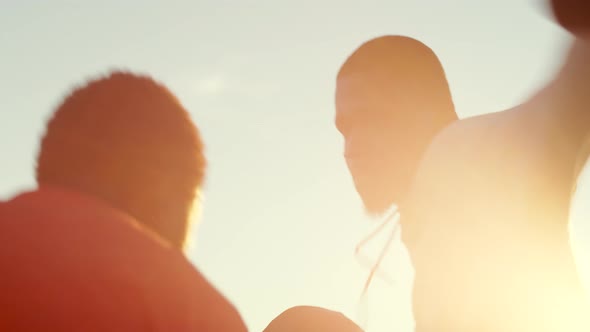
<point>363,82</point>
<point>360,88</point>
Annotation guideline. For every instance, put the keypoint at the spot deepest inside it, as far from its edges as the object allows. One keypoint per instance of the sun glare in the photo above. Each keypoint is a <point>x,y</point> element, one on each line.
<point>580,226</point>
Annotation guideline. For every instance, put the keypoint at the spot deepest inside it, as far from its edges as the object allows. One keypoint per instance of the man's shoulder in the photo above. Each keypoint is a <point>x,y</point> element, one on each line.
<point>466,132</point>
<point>203,305</point>
<point>472,139</point>
<point>463,151</point>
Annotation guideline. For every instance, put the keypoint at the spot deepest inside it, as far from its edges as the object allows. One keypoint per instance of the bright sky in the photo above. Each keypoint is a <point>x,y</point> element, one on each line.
<point>281,216</point>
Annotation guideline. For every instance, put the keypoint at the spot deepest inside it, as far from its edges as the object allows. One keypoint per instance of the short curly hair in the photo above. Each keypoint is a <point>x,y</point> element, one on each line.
<point>127,140</point>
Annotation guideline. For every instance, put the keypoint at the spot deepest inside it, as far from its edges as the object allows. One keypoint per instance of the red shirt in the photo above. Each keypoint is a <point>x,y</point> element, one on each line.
<point>71,263</point>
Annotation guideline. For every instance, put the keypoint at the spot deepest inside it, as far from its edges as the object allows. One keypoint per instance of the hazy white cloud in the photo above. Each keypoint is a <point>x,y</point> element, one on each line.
<point>251,87</point>
<point>212,85</point>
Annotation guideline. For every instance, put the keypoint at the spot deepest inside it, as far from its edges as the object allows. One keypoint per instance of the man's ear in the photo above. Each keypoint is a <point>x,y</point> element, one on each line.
<point>573,15</point>
<point>194,218</point>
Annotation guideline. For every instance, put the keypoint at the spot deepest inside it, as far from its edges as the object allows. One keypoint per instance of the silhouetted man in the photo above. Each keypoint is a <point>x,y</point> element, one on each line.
<point>486,220</point>
<point>392,98</point>
<point>311,319</point>
<point>98,245</point>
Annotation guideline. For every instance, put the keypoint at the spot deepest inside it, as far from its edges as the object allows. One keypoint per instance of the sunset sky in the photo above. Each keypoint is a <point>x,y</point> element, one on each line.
<point>281,217</point>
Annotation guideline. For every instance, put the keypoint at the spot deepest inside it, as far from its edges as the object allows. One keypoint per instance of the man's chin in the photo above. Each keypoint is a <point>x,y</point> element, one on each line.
<point>378,196</point>
<point>375,205</point>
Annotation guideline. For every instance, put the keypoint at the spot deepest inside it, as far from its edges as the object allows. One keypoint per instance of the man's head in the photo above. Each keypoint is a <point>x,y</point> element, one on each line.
<point>127,140</point>
<point>392,97</point>
<point>311,319</point>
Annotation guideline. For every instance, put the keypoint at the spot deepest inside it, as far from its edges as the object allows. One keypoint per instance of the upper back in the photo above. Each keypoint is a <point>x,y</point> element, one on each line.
<point>516,164</point>
<point>70,262</point>
<point>486,220</point>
